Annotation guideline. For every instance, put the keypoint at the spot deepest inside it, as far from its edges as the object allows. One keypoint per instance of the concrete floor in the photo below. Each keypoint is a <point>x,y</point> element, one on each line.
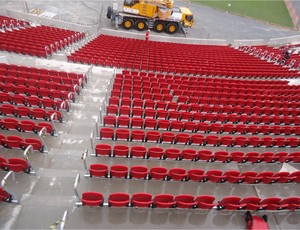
<point>45,196</point>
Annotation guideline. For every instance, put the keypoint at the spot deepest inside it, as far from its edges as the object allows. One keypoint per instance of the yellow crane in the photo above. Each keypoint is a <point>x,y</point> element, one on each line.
<point>159,15</point>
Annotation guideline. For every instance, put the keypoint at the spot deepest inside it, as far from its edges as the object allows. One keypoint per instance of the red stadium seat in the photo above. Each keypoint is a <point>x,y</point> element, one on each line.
<point>118,200</point>
<point>92,199</point>
<point>141,200</point>
<point>164,201</point>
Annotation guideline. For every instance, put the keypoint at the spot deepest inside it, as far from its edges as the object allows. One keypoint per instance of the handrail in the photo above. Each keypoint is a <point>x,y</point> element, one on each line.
<point>28,151</point>
<point>42,133</point>
<point>83,157</point>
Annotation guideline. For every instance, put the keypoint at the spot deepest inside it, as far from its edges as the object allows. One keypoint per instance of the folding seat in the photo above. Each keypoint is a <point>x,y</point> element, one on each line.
<point>36,144</point>
<point>98,170</point>
<point>147,96</point>
<point>177,174</point>
<point>10,124</point>
<point>141,200</point>
<point>228,109</point>
<point>186,116</point>
<point>161,105</point>
<point>137,135</point>
<point>277,120</point>
<point>123,121</point>
<point>162,114</point>
<point>233,176</point>
<point>120,151</point>
<point>34,101</point>
<point>164,201</point>
<point>92,199</point>
<point>280,141</point>
<point>254,141</point>
<point>273,203</point>
<point>149,104</point>
<point>172,153</point>
<point>158,173</point>
<point>30,126</point>
<point>38,113</point>
<point>126,111</point>
<point>4,97</point>
<point>267,141</point>
<point>119,171</point>
<point>118,200</point>
<point>266,119</point>
<point>268,177</point>
<point>137,123</point>
<point>125,101</point>
<point>241,141</point>
<point>296,130</point>
<point>109,121</point>
<point>283,157</point>
<point>176,125</point>
<point>189,154</point>
<point>292,203</point>
<point>152,136</point>
<point>155,152</point>
<point>254,129</point>
<point>172,105</point>
<point>254,157</point>
<point>296,176</point>
<point>238,157</point>
<point>293,142</point>
<point>212,140</point>
<point>269,157</point>
<point>216,128</point>
<point>17,165</point>
<point>163,124</point>
<point>197,139</point>
<point>150,123</point>
<point>107,133</point>
<point>251,177</point>
<point>182,138</point>
<point>222,156</point>
<point>138,151</point>
<point>136,102</point>
<point>230,203</point>
<point>233,118</point>
<point>205,201</point>
<point>17,99</point>
<point>149,113</point>
<point>185,201</point>
<point>182,99</point>
<point>197,175</point>
<point>252,203</point>
<point>138,172</point>
<point>167,137</point>
<point>215,176</point>
<point>203,127</point>
<point>295,157</point>
<point>205,155</point>
<point>166,97</point>
<point>137,112</point>
<point>122,134</point>
<point>287,130</point>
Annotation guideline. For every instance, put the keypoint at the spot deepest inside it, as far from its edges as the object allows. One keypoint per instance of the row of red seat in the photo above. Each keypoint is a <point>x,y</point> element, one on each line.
<point>195,83</point>
<point>20,143</point>
<point>198,175</point>
<point>26,125</point>
<point>139,75</point>
<point>34,72</point>
<point>200,116</point>
<point>43,81</point>
<point>15,165</point>
<point>34,101</point>
<point>40,92</point>
<point>202,92</point>
<point>196,139</point>
<point>32,113</point>
<point>193,155</point>
<point>222,105</point>
<point>189,126</point>
<point>131,74</point>
<point>145,200</point>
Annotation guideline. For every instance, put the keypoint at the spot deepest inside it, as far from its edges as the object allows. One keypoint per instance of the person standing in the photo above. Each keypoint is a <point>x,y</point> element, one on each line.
<point>147,35</point>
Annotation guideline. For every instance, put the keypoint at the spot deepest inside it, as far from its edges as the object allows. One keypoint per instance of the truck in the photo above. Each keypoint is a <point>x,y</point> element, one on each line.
<point>159,15</point>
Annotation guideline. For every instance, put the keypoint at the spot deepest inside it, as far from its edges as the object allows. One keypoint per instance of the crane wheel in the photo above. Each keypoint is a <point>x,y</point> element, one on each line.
<point>127,23</point>
<point>171,28</point>
<point>141,25</point>
<point>109,12</point>
<point>159,27</point>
